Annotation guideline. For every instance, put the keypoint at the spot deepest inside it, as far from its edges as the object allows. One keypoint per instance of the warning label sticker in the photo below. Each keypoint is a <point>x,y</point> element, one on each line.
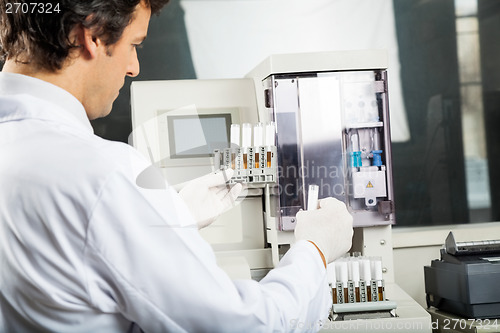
<point>369,185</point>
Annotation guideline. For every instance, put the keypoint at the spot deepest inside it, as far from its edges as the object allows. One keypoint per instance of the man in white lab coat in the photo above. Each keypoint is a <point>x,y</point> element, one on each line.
<point>83,248</point>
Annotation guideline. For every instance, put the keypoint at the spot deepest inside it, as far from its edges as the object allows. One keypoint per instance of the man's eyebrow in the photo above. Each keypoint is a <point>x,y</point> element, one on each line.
<point>140,39</point>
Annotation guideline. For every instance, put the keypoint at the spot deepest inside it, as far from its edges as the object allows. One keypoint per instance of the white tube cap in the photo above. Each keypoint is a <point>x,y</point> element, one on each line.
<point>246,135</point>
<point>366,274</point>
<point>235,135</point>
<point>270,134</point>
<point>331,274</point>
<point>354,272</point>
<point>342,272</point>
<point>258,133</point>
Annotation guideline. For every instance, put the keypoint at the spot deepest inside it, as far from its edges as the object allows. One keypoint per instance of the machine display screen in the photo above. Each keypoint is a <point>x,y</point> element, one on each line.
<point>198,135</point>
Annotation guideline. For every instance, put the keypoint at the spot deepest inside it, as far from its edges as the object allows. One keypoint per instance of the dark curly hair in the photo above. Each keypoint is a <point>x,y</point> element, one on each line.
<point>40,37</point>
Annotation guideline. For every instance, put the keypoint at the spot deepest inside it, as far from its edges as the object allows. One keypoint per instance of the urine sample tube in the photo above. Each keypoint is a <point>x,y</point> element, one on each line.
<point>235,142</point>
<point>354,277</point>
<point>270,142</point>
<point>379,278</point>
<point>217,159</point>
<point>366,277</point>
<point>251,162</point>
<point>312,197</point>
<point>235,135</point>
<point>342,276</point>
<point>262,157</point>
<point>246,142</point>
<point>258,132</point>
<point>332,280</point>
<point>227,158</point>
<point>270,134</point>
<point>239,159</point>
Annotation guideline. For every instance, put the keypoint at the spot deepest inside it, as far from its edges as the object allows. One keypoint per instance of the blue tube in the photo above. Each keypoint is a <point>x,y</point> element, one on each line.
<point>377,158</point>
<point>356,159</point>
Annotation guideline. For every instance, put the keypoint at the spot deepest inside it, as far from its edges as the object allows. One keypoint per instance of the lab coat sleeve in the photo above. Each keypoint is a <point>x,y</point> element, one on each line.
<point>145,259</point>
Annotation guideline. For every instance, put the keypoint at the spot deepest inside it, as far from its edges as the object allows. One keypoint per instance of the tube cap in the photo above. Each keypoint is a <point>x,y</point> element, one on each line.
<point>331,273</point>
<point>342,272</point>
<point>258,132</point>
<point>235,134</point>
<point>246,135</point>
<point>270,134</point>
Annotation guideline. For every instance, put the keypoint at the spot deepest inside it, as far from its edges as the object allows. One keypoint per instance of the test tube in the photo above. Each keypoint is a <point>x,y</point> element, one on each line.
<point>342,276</point>
<point>332,280</point>
<point>262,150</point>
<point>356,153</point>
<point>376,139</point>
<point>378,277</point>
<point>312,197</point>
<point>258,132</point>
<point>270,141</point>
<point>217,159</point>
<point>366,276</point>
<point>227,158</point>
<point>355,141</point>
<point>354,277</point>
<point>246,141</point>
<point>235,135</point>
<point>235,142</point>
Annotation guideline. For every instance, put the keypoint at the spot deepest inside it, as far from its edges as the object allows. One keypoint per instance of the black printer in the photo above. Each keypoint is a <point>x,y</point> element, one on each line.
<point>466,280</point>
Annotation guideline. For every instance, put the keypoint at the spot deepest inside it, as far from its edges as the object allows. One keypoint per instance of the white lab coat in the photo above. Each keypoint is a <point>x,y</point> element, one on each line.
<point>84,249</point>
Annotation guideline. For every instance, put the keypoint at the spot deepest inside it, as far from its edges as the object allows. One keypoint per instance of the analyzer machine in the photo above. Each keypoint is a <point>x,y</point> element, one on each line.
<point>296,129</point>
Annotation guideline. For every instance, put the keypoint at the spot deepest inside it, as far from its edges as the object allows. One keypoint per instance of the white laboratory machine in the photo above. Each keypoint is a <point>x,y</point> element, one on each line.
<point>298,125</point>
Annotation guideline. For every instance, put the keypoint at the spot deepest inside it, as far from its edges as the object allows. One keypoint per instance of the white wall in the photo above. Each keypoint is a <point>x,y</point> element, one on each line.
<point>228,38</point>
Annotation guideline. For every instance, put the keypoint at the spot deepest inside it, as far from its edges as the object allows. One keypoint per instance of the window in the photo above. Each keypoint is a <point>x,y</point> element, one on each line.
<point>449,53</point>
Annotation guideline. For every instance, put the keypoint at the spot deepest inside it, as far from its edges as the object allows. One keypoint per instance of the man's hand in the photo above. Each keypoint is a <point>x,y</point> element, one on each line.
<point>329,228</point>
<point>209,196</point>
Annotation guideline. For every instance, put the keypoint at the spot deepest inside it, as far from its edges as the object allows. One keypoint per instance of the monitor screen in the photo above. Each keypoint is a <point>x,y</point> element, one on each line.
<point>198,135</point>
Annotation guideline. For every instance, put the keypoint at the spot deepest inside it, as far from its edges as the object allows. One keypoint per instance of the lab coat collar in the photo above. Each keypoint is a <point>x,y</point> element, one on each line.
<point>14,84</point>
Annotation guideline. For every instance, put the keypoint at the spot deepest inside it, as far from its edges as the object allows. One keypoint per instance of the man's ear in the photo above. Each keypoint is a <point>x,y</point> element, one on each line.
<point>89,42</point>
<point>86,41</point>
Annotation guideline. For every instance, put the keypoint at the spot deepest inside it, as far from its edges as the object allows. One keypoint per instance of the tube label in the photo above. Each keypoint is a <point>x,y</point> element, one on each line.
<point>340,293</point>
<point>350,291</point>
<point>362,291</point>
<point>374,290</point>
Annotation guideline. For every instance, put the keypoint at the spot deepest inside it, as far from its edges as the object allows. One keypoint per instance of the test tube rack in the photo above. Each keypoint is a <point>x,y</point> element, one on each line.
<point>252,165</point>
<point>358,289</point>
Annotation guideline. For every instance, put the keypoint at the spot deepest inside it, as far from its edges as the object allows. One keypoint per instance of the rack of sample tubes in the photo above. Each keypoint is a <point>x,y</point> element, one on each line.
<point>358,288</point>
<point>252,154</point>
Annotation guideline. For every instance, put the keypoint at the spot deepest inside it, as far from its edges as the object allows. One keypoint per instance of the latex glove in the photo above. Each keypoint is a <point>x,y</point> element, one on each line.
<point>329,227</point>
<point>209,196</point>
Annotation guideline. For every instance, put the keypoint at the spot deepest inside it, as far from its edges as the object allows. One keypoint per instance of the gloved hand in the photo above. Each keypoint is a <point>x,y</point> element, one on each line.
<point>329,227</point>
<point>209,196</point>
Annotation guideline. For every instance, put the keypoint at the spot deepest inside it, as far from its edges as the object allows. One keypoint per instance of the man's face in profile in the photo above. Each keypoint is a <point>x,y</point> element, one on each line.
<point>115,62</point>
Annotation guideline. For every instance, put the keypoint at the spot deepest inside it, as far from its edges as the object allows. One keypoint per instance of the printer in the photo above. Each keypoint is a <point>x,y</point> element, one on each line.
<point>465,281</point>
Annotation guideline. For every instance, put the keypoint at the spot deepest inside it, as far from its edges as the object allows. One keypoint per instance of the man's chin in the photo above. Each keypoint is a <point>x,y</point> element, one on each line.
<point>104,114</point>
<point>98,114</point>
